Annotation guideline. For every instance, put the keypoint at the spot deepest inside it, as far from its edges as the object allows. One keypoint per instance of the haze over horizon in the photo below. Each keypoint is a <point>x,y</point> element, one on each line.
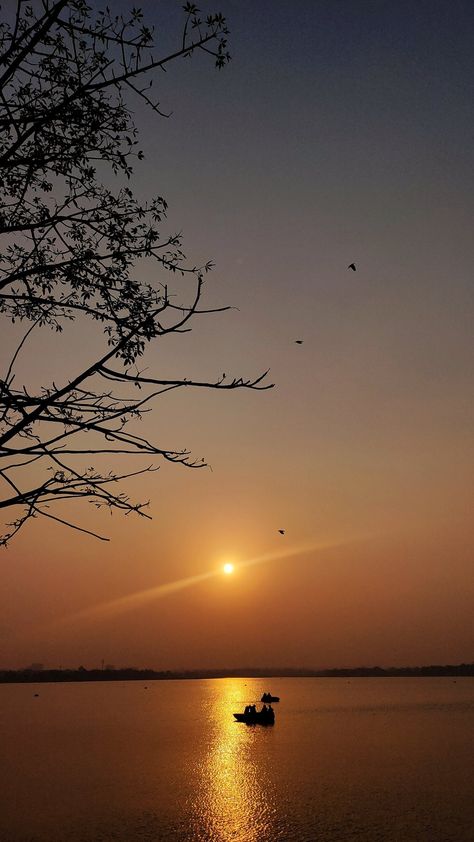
<point>339,133</point>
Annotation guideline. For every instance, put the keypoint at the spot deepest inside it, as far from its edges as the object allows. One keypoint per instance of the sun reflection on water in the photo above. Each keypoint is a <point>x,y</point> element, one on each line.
<point>236,800</point>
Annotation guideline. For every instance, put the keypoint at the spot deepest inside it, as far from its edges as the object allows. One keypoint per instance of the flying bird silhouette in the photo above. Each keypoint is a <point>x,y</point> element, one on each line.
<point>352,266</point>
<point>281,531</point>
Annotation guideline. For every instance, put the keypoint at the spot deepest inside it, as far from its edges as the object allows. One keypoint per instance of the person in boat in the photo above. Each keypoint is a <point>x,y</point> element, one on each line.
<point>264,709</point>
<point>271,711</point>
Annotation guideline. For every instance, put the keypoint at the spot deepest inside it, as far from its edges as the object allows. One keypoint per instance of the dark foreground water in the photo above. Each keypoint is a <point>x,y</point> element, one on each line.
<point>390,760</point>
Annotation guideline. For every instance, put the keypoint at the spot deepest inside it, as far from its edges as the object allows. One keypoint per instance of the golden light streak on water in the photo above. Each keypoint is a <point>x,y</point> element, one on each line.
<point>236,798</point>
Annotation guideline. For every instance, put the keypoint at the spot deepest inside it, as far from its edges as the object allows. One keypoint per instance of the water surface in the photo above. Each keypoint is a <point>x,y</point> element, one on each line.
<point>386,760</point>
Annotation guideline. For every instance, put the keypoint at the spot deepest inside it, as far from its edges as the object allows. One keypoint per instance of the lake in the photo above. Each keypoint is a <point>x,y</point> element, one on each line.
<point>369,759</point>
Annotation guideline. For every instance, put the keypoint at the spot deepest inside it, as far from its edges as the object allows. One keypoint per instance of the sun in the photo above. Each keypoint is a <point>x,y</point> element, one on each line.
<point>228,568</point>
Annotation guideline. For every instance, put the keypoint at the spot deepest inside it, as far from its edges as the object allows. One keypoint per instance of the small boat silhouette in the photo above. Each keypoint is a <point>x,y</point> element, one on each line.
<point>250,716</point>
<point>267,697</point>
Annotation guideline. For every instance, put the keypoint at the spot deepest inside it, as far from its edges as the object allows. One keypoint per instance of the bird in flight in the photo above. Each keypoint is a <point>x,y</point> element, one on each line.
<point>352,266</point>
<point>298,341</point>
<point>281,531</point>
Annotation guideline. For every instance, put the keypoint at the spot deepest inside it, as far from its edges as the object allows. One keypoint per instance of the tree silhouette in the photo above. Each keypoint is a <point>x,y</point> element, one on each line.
<point>72,247</point>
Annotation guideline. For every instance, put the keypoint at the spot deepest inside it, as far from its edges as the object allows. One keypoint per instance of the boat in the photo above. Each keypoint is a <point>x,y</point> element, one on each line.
<point>257,717</point>
<point>267,697</point>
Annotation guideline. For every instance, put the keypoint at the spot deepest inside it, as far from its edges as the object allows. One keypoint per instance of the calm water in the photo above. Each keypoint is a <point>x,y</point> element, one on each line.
<point>390,760</point>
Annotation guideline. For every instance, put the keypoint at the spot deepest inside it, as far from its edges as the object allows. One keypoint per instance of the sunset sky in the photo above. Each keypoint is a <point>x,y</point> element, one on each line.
<point>341,131</point>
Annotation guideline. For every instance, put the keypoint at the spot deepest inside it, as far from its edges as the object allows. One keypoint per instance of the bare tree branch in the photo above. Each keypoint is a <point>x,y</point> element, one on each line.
<point>72,248</point>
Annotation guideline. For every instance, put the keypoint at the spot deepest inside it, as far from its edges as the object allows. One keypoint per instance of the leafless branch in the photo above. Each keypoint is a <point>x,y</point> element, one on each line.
<point>72,248</point>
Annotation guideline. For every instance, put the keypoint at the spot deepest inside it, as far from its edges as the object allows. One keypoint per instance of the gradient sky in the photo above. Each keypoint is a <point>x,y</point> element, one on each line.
<point>341,131</point>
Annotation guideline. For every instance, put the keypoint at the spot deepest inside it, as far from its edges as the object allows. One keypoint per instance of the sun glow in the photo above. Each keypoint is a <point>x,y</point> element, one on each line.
<point>132,601</point>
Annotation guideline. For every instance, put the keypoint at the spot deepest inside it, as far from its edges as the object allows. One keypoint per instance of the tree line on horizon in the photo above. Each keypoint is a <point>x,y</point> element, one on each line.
<point>133,674</point>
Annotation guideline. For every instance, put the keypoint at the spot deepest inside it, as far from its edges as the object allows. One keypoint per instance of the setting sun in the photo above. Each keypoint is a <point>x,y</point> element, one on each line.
<point>228,568</point>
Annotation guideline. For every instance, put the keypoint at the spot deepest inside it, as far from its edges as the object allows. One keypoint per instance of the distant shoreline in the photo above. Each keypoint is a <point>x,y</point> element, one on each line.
<point>29,676</point>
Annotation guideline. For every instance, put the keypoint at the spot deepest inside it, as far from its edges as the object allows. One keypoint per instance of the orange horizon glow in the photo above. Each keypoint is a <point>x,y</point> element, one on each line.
<point>361,452</point>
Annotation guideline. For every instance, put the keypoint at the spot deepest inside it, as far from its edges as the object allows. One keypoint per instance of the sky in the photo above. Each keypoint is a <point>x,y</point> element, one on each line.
<point>340,132</point>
